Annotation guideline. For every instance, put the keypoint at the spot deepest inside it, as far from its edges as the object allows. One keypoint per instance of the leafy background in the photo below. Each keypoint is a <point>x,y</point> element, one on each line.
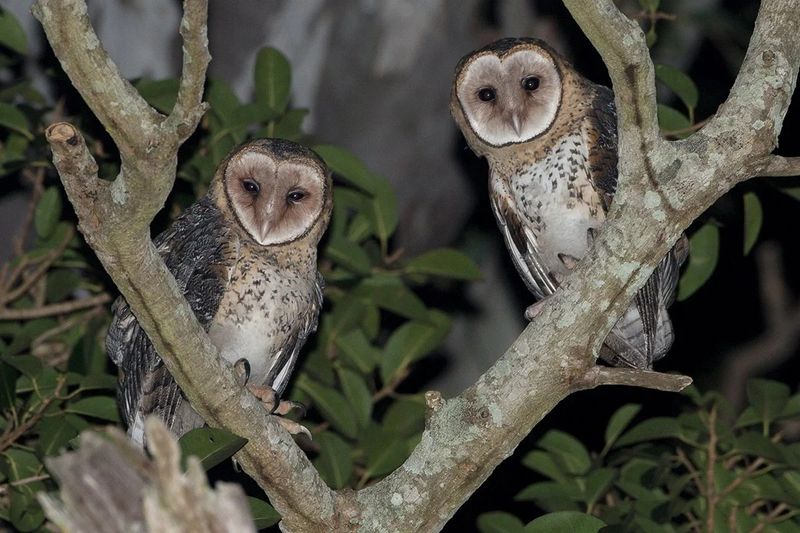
<point>654,464</point>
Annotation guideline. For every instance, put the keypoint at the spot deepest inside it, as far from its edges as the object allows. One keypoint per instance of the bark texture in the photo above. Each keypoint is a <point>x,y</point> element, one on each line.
<point>663,186</point>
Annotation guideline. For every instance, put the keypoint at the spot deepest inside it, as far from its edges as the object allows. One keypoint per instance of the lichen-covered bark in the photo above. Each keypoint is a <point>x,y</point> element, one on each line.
<point>663,186</point>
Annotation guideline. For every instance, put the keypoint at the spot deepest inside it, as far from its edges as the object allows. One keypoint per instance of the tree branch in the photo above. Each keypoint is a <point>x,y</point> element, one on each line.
<point>601,375</point>
<point>781,167</point>
<point>663,187</point>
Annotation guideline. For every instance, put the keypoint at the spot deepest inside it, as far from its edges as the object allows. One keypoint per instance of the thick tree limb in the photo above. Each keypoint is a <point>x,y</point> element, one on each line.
<point>663,187</point>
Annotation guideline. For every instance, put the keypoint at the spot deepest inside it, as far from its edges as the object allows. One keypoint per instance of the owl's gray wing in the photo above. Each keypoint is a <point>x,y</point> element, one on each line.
<point>284,360</point>
<point>521,243</point>
<point>192,251</point>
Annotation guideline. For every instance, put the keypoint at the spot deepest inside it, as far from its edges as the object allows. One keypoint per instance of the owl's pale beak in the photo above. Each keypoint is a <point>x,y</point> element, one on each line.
<point>517,123</point>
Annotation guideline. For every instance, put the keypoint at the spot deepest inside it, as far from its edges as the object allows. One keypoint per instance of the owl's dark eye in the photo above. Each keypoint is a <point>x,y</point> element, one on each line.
<point>251,186</point>
<point>295,196</point>
<point>531,83</point>
<point>487,94</point>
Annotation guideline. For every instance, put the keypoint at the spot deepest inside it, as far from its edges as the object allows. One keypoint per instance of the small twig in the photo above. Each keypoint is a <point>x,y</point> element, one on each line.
<point>690,129</point>
<point>12,433</point>
<point>603,375</point>
<point>653,16</point>
<point>390,387</point>
<point>780,167</point>
<point>37,179</point>
<point>693,472</point>
<point>44,265</point>
<point>711,487</point>
<point>31,479</point>
<point>61,308</point>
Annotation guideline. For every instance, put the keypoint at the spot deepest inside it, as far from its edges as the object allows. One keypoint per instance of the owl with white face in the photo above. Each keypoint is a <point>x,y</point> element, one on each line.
<point>549,136</point>
<point>245,257</point>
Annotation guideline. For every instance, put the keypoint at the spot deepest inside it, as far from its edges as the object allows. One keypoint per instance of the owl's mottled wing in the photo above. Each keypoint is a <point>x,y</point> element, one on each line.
<point>644,333</point>
<point>285,358</point>
<point>192,251</point>
<point>600,137</point>
<point>521,243</point>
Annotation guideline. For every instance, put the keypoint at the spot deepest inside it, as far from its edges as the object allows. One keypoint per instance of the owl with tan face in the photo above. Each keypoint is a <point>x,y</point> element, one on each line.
<point>549,136</point>
<point>245,257</point>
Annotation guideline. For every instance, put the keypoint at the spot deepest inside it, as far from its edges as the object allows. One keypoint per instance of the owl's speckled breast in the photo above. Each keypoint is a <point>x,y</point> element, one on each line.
<point>263,305</point>
<point>558,199</point>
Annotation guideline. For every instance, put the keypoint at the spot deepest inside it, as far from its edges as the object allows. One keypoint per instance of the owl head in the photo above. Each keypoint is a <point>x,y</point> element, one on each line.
<point>506,93</point>
<point>277,191</point>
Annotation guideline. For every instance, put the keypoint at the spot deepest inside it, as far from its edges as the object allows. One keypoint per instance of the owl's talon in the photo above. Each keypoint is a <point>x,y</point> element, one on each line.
<point>287,406</point>
<point>568,261</point>
<point>534,310</point>
<point>295,428</point>
<point>591,235</point>
<point>242,370</point>
<point>267,395</point>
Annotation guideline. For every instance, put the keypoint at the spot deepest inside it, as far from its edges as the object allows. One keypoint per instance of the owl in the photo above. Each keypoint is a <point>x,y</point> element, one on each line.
<point>245,258</point>
<point>549,136</point>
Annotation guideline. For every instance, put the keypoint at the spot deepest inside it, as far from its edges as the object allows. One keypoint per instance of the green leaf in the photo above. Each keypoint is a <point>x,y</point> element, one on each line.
<point>21,464</point>
<point>25,512</point>
<point>102,407</point>
<point>210,445</point>
<point>679,83</point>
<point>446,263</point>
<point>27,364</point>
<point>383,210</point>
<point>568,449</point>
<point>411,341</point>
<point>384,451</point>
<point>331,404</point>
<point>499,522</point>
<point>334,463</point>
<point>543,462</point>
<point>757,444</point>
<point>357,393</point>
<point>98,382</point>
<point>14,119</point>
<point>348,167</point>
<point>8,383</point>
<point>597,484</point>
<point>11,33</point>
<point>565,522</point>
<point>290,125</point>
<point>388,292</point>
<point>357,350</point>
<point>405,417</point>
<point>651,429</point>
<point>650,5</point>
<point>753,218</point>
<point>48,212</point>
<point>62,282</point>
<point>703,255</point>
<point>768,398</point>
<point>54,433</point>
<point>349,255</point>
<point>672,120</point>
<point>550,490</point>
<point>619,421</point>
<point>161,94</point>
<point>273,79</point>
<point>264,515</point>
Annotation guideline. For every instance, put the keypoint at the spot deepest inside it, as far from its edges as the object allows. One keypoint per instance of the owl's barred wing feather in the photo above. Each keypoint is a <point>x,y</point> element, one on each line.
<point>188,248</point>
<point>285,359</point>
<point>601,139</point>
<point>522,244</point>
